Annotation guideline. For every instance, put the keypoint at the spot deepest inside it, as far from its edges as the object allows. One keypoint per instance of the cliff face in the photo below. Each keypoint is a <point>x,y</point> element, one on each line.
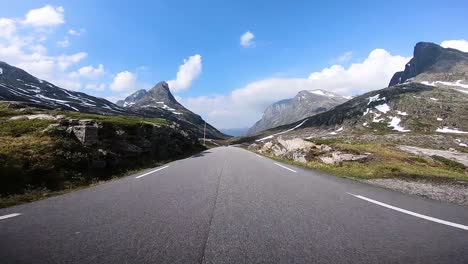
<point>432,63</point>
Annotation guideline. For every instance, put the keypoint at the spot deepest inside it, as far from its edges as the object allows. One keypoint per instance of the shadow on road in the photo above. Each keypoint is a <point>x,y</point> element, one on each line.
<point>201,154</point>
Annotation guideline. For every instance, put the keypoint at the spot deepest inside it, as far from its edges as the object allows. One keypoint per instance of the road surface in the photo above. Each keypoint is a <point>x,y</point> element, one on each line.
<point>228,205</point>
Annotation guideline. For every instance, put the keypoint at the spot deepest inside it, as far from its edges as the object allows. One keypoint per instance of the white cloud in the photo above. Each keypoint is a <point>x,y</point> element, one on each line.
<point>63,43</point>
<point>23,45</point>
<point>188,72</point>
<point>345,57</point>
<point>89,72</point>
<point>96,86</point>
<point>45,16</point>
<point>7,28</point>
<point>243,106</point>
<point>124,81</point>
<point>460,44</point>
<point>77,33</point>
<point>246,40</point>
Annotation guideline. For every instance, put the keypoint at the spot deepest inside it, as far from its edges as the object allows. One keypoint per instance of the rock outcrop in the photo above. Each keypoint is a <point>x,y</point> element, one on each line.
<point>303,151</point>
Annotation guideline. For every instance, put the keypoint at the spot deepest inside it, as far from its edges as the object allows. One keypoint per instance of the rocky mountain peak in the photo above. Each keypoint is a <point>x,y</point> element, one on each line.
<point>159,102</point>
<point>162,93</point>
<point>432,62</point>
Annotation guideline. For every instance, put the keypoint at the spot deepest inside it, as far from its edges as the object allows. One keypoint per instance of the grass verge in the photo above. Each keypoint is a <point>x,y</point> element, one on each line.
<point>383,162</point>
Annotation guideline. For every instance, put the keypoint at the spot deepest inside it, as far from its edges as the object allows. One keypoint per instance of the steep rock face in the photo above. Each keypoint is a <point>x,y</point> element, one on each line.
<point>304,104</point>
<point>131,99</point>
<point>434,65</point>
<point>159,102</point>
<point>18,85</point>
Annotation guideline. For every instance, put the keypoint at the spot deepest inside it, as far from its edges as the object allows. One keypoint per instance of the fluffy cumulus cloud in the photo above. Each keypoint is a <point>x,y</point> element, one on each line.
<point>89,72</point>
<point>188,72</point>
<point>7,28</point>
<point>247,39</point>
<point>460,44</point>
<point>24,44</point>
<point>243,106</point>
<point>124,81</point>
<point>45,16</point>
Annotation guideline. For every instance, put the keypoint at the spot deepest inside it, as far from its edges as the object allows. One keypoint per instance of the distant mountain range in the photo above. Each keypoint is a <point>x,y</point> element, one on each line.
<point>304,104</point>
<point>429,96</point>
<point>18,85</point>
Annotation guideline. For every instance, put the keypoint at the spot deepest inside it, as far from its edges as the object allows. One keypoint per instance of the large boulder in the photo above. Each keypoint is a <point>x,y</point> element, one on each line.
<point>86,134</point>
<point>338,157</point>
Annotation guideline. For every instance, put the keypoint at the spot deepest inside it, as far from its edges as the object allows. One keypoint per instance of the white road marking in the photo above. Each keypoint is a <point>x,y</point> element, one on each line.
<point>158,169</point>
<point>284,167</point>
<point>8,216</point>
<point>433,219</point>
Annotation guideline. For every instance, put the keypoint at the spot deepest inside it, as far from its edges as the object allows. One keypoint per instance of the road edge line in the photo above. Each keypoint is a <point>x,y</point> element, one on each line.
<point>284,167</point>
<point>9,216</point>
<point>401,210</point>
<point>146,174</point>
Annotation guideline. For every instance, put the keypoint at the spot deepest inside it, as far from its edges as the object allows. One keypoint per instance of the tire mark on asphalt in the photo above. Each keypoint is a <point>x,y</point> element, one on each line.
<point>202,257</point>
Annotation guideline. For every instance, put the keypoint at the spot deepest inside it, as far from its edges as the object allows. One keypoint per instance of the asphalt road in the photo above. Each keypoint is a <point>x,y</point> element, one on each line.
<point>228,205</point>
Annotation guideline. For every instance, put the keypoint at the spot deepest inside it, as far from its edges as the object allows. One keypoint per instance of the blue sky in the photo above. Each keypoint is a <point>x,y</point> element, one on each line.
<point>296,45</point>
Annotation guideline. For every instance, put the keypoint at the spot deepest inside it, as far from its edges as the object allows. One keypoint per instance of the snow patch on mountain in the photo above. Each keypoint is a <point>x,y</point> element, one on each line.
<point>384,108</point>
<point>450,130</point>
<point>395,123</point>
<point>375,98</point>
<point>458,83</point>
<point>286,131</point>
<point>335,132</point>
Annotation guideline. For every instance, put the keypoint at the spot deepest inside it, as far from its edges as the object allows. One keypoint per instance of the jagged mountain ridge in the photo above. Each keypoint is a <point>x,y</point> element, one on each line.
<point>437,66</point>
<point>18,85</point>
<point>159,102</point>
<point>305,103</point>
